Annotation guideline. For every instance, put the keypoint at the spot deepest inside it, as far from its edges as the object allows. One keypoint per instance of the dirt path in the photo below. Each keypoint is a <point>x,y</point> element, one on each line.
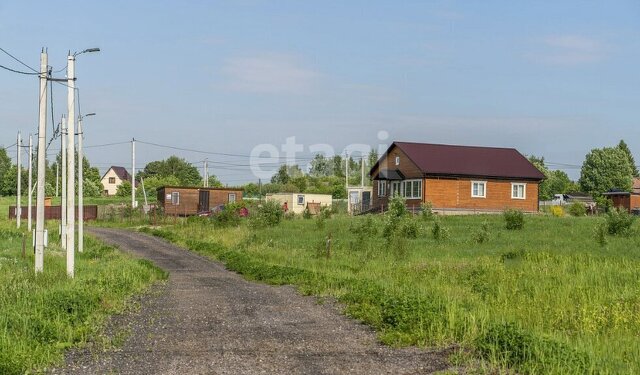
<point>208,320</point>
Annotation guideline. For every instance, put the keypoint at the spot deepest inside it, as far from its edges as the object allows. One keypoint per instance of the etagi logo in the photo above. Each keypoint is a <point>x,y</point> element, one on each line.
<point>265,158</point>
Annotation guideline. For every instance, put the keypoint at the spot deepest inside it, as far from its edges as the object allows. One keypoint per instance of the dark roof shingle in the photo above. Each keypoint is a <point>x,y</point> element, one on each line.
<point>437,159</point>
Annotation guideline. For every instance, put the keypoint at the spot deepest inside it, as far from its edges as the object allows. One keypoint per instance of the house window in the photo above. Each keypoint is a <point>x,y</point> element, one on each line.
<point>175,198</point>
<point>382,188</point>
<point>518,191</point>
<point>301,200</point>
<point>396,188</point>
<point>478,189</point>
<point>112,180</point>
<point>232,197</point>
<point>412,189</point>
<point>397,160</point>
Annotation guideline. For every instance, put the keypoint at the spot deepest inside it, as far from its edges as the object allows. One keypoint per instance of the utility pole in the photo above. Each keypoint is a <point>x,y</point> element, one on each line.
<point>42,139</point>
<point>206,173</point>
<point>362,166</point>
<point>80,188</point>
<point>19,182</point>
<point>71,129</point>
<point>30,182</point>
<point>133,173</point>
<point>63,204</point>
<point>57,176</point>
<point>346,171</point>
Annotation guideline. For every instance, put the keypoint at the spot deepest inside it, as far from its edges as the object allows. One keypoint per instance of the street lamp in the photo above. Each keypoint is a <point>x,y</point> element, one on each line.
<point>71,84</point>
<point>81,183</point>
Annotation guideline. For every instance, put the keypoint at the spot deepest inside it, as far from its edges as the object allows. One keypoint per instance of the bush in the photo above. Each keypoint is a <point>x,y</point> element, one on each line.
<point>481,235</point>
<point>603,204</point>
<point>397,207</point>
<point>600,233</point>
<point>268,214</point>
<point>229,216</point>
<point>619,222</point>
<point>427,211</point>
<point>306,214</point>
<point>557,211</point>
<point>439,231</point>
<point>514,219</point>
<point>409,228</point>
<point>577,209</point>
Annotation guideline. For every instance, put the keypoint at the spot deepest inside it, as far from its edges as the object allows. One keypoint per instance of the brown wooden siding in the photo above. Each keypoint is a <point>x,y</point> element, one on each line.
<point>456,194</point>
<point>90,212</point>
<point>406,167</point>
<point>190,197</point>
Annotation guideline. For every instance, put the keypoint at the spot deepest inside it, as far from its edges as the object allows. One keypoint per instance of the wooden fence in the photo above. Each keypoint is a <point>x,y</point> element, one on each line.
<point>54,212</point>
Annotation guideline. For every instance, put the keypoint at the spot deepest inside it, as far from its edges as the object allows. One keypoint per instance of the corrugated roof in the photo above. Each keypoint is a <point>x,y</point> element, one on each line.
<point>438,159</point>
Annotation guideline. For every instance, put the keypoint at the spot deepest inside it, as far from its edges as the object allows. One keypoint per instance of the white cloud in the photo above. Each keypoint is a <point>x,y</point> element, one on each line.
<point>568,50</point>
<point>270,74</point>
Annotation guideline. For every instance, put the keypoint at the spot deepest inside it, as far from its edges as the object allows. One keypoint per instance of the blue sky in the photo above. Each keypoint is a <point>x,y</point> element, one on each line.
<point>549,78</point>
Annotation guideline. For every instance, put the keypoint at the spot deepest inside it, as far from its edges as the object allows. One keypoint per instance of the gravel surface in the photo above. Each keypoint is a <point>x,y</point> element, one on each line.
<point>208,320</point>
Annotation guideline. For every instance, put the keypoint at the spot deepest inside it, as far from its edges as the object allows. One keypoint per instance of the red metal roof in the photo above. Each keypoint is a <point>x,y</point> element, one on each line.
<point>475,161</point>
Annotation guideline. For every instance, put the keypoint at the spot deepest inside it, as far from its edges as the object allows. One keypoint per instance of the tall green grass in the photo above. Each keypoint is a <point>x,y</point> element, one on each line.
<point>41,315</point>
<point>545,299</point>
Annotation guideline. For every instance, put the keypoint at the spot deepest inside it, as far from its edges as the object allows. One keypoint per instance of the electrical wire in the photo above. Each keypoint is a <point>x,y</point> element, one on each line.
<point>18,71</point>
<point>18,60</point>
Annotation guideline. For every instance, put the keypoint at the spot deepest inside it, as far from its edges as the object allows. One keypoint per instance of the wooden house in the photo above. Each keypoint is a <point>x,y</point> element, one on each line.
<point>456,179</point>
<point>629,201</point>
<point>113,178</point>
<point>187,200</point>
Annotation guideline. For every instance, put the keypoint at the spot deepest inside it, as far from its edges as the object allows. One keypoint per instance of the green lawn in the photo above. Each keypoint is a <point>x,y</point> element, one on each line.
<point>545,299</point>
<point>41,315</point>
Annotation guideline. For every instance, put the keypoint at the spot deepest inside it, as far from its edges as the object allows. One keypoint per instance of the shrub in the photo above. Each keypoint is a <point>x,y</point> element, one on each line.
<point>290,215</point>
<point>364,228</point>
<point>514,219</point>
<point>600,233</point>
<point>267,214</point>
<point>577,209</point>
<point>482,234</point>
<point>229,216</point>
<point>603,204</point>
<point>427,211</point>
<point>619,222</point>
<point>557,211</point>
<point>409,228</point>
<point>306,214</point>
<point>438,231</point>
<point>397,207</point>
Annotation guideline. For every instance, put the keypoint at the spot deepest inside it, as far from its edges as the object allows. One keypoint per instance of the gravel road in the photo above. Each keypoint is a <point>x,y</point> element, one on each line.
<point>208,320</point>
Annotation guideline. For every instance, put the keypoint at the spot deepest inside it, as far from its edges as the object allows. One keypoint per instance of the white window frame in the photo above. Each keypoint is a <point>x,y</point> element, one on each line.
<point>484,189</point>
<point>300,199</point>
<point>231,198</point>
<point>524,190</point>
<point>175,198</point>
<point>396,188</point>
<point>382,188</point>
<point>408,188</point>
<point>397,160</point>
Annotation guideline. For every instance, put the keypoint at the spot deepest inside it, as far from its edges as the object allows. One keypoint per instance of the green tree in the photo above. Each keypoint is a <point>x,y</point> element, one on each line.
<point>320,166</point>
<point>623,146</point>
<point>5,162</point>
<point>214,182</point>
<point>186,173</point>
<point>281,176</point>
<point>9,185</point>
<point>124,189</point>
<point>372,158</point>
<point>555,182</point>
<point>605,169</point>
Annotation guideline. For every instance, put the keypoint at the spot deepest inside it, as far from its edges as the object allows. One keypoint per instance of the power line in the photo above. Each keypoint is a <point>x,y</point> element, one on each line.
<point>18,60</point>
<point>18,71</point>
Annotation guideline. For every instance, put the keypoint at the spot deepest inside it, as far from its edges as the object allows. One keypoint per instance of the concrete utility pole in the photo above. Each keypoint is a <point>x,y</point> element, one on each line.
<point>71,215</point>
<point>206,173</point>
<point>19,181</point>
<point>346,170</point>
<point>133,173</point>
<point>63,204</point>
<point>57,177</point>
<point>42,146</point>
<point>30,182</point>
<point>81,183</point>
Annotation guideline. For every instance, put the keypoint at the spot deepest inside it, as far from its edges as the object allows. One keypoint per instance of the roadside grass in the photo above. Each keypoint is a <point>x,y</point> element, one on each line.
<point>544,299</point>
<point>42,315</point>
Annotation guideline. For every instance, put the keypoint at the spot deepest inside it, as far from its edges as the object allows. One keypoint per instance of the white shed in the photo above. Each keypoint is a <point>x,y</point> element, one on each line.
<point>297,202</point>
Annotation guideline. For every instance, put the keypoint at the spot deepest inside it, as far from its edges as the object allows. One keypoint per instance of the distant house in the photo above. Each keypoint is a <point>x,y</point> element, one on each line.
<point>298,202</point>
<point>191,200</point>
<point>629,201</point>
<point>114,177</point>
<point>456,178</point>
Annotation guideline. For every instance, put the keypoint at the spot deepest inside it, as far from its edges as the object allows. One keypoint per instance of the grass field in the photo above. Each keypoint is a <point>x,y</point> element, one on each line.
<point>42,315</point>
<point>545,299</point>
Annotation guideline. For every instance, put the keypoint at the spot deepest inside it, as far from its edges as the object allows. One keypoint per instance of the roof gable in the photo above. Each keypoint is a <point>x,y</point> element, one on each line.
<point>438,159</point>
<point>121,172</point>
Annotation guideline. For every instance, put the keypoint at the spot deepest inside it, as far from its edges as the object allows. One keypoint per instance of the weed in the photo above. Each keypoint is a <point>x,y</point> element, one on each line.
<point>619,222</point>
<point>439,231</point>
<point>481,235</point>
<point>577,209</point>
<point>514,219</point>
<point>557,211</point>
